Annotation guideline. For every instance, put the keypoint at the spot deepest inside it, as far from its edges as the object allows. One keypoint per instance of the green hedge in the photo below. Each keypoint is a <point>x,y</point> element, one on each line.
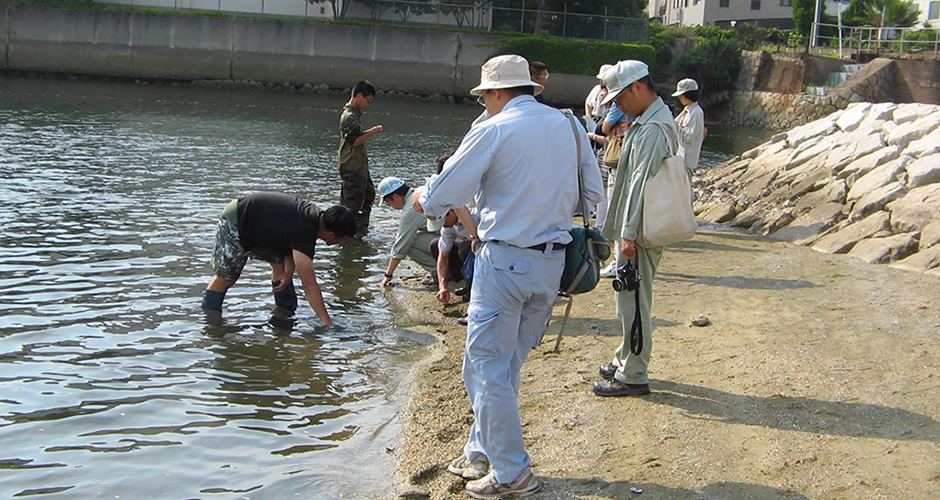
<point>573,56</point>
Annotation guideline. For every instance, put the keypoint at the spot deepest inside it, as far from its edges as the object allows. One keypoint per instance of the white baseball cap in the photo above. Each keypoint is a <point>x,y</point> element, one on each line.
<point>604,69</point>
<point>686,85</point>
<point>621,76</point>
<point>503,72</point>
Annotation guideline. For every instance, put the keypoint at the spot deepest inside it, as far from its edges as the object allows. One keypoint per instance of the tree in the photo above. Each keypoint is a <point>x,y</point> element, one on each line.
<point>804,13</point>
<point>715,64</point>
<point>869,12</point>
<point>413,7</point>
<point>466,12</point>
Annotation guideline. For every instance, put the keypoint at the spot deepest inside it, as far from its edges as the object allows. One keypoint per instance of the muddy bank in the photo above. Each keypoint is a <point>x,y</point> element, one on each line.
<point>816,379</point>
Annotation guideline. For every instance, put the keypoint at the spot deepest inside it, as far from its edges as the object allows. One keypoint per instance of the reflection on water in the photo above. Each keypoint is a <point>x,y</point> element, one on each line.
<point>112,381</point>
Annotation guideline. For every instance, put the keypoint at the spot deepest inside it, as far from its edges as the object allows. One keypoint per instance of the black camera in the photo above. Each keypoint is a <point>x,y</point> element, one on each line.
<point>628,278</point>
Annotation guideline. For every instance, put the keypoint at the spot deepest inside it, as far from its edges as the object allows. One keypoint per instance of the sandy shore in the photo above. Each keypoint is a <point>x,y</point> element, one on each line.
<point>817,379</point>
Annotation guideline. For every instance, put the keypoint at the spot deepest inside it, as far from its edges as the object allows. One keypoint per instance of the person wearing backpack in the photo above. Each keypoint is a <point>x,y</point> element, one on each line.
<point>645,146</point>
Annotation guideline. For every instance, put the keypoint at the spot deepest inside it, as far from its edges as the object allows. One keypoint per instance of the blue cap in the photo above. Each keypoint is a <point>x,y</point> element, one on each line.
<point>388,186</point>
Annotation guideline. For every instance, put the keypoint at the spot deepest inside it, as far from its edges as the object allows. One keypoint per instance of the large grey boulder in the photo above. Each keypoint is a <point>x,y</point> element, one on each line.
<point>876,200</point>
<point>911,131</point>
<point>909,112</point>
<point>811,130</point>
<point>869,162</point>
<point>842,240</point>
<point>925,170</point>
<point>878,114</point>
<point>928,144</point>
<point>887,249</point>
<point>930,235</point>
<point>832,192</point>
<point>717,212</point>
<point>856,145</point>
<point>880,176</point>
<point>921,261</point>
<point>809,226</point>
<point>916,209</point>
<point>853,116</point>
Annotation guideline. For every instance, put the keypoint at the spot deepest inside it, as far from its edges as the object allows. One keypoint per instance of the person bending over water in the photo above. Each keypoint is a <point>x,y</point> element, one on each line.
<point>283,231</point>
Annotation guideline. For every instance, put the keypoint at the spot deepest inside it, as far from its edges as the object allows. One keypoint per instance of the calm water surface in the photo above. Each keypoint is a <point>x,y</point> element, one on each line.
<point>112,381</point>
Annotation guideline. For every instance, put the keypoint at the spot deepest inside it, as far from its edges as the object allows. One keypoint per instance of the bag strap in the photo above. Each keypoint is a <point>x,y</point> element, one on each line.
<point>577,140</point>
<point>673,147</point>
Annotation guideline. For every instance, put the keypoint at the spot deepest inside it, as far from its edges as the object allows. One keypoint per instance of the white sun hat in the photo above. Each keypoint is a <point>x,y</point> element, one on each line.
<point>686,85</point>
<point>503,72</point>
<point>622,75</point>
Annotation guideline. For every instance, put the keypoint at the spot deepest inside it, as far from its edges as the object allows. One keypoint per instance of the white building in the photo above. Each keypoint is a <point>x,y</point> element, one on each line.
<point>726,13</point>
<point>766,13</point>
<point>929,12</point>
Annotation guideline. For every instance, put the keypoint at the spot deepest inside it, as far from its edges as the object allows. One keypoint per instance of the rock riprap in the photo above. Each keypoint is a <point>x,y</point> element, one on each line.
<point>864,181</point>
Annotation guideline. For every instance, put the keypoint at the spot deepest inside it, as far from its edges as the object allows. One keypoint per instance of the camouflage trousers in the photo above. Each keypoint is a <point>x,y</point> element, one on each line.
<point>228,256</point>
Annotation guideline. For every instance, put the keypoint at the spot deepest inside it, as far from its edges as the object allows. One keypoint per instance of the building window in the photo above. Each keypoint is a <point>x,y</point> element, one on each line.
<point>933,11</point>
<point>686,3</point>
<point>723,3</point>
<point>786,3</point>
<point>755,4</point>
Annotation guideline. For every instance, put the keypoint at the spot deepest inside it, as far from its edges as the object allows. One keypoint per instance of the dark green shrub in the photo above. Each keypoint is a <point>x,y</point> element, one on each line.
<point>714,64</point>
<point>573,56</point>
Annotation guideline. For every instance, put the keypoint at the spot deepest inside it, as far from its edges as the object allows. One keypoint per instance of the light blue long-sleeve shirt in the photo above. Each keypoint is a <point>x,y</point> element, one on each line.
<point>521,168</point>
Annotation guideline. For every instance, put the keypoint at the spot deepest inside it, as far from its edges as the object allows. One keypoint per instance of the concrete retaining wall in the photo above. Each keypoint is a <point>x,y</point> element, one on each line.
<point>918,81</point>
<point>779,110</point>
<point>218,48</point>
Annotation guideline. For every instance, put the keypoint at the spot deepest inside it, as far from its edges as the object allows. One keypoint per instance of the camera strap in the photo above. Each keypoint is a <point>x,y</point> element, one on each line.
<point>636,331</point>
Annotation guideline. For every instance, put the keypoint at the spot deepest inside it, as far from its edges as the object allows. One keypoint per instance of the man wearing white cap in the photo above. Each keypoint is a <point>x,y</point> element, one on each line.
<point>645,146</point>
<point>592,103</point>
<point>690,123</point>
<point>521,166</point>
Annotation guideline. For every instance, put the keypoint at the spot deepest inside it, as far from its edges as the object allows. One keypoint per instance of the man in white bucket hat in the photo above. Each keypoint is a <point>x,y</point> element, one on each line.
<point>521,166</point>
<point>645,146</point>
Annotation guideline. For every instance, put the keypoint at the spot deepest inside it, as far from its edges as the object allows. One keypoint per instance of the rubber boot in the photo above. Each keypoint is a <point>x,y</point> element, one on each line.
<point>286,298</point>
<point>212,300</point>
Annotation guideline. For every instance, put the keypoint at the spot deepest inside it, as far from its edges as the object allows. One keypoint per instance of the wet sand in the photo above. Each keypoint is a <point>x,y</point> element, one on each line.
<point>817,379</point>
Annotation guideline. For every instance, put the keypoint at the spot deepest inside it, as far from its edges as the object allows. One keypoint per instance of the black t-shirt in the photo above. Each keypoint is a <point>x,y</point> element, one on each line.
<point>278,223</point>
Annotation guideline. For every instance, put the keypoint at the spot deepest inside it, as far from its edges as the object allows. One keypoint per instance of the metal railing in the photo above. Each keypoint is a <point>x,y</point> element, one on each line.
<point>853,39</point>
<point>480,14</point>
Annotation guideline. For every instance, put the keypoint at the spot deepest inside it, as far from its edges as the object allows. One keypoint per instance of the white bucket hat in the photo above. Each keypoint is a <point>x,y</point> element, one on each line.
<point>622,75</point>
<point>686,85</point>
<point>503,72</point>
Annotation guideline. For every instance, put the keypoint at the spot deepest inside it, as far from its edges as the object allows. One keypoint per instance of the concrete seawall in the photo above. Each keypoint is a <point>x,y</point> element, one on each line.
<point>187,48</point>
